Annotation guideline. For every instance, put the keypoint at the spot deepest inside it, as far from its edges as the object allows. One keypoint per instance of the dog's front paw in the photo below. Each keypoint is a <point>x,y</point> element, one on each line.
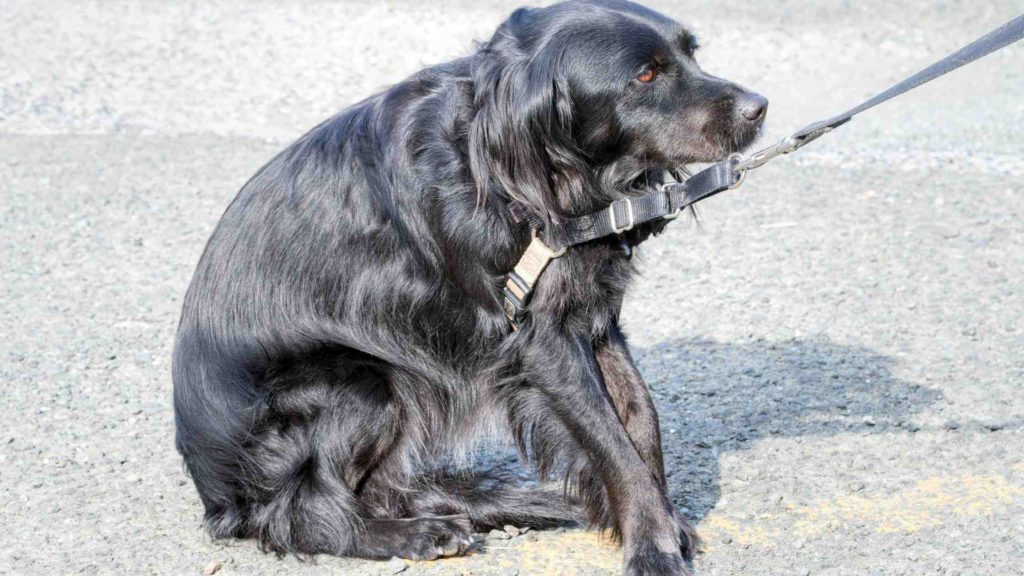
<point>689,540</point>
<point>657,564</point>
<point>432,538</point>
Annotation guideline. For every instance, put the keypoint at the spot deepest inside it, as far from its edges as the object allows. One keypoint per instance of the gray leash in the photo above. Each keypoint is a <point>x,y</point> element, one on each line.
<point>997,39</point>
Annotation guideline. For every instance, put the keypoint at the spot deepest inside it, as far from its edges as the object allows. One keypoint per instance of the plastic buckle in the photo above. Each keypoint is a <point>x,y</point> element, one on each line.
<point>515,306</point>
<point>629,214</point>
<point>515,311</point>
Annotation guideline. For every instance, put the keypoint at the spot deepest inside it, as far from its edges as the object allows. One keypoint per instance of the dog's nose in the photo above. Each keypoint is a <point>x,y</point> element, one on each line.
<point>753,107</point>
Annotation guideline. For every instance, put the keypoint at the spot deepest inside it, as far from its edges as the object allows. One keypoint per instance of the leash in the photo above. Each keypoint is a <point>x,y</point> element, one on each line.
<point>668,201</point>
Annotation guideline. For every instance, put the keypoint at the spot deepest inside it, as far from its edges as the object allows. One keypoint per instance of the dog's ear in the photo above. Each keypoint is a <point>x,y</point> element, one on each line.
<point>521,138</point>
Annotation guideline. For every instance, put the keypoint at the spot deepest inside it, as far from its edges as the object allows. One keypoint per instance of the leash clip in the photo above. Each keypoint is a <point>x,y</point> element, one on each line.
<point>781,148</point>
<point>763,156</point>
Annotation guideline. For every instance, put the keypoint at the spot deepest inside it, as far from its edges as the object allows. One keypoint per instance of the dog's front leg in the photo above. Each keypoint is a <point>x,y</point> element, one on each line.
<point>633,404</point>
<point>566,372</point>
<point>632,400</point>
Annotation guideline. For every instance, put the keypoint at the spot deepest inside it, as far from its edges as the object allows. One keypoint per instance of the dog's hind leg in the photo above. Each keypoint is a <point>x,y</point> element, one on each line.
<point>424,538</point>
<point>492,500</point>
<point>327,425</point>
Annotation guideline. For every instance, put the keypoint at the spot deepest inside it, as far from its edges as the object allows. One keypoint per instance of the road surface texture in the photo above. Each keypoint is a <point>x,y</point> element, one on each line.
<point>836,351</point>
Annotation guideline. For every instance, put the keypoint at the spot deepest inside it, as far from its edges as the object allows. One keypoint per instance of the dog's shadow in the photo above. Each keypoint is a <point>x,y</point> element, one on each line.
<point>714,397</point>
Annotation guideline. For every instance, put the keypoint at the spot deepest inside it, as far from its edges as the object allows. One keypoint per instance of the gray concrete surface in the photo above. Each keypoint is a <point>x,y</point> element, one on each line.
<point>835,352</point>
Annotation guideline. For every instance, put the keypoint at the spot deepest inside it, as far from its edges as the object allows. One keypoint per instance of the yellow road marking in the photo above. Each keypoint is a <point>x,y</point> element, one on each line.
<point>717,526</point>
<point>925,505</point>
<point>586,551</point>
<point>929,503</point>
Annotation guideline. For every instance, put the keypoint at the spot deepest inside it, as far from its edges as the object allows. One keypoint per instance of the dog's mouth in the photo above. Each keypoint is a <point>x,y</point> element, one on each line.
<point>650,173</point>
<point>728,142</point>
<point>652,176</point>
<point>717,149</point>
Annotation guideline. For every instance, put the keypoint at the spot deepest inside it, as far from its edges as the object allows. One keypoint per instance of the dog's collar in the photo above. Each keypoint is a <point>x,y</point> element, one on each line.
<point>663,203</point>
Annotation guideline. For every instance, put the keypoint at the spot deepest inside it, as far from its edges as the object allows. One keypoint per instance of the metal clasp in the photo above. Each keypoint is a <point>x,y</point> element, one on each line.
<point>780,148</point>
<point>761,157</point>
<point>667,190</point>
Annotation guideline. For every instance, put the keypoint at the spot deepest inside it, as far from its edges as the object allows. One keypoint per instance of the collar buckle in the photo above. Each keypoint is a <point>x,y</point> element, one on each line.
<point>630,216</point>
<point>520,282</point>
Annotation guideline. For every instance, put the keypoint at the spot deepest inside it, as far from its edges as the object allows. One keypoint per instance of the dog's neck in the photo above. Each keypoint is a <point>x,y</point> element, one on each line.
<point>606,184</point>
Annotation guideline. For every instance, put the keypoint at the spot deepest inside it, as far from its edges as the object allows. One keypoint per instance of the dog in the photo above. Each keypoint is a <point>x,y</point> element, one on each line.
<point>343,350</point>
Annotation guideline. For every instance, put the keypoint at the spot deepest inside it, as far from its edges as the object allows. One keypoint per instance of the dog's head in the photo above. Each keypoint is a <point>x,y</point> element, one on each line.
<point>580,101</point>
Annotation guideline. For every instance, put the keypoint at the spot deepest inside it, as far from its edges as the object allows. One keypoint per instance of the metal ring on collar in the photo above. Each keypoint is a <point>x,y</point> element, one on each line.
<point>738,161</point>
<point>666,188</point>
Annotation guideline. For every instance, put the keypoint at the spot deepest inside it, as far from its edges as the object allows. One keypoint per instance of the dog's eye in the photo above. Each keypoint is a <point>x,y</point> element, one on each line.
<point>692,47</point>
<point>647,74</point>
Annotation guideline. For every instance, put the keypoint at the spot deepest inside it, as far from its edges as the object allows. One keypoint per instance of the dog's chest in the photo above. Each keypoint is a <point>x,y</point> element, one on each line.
<point>586,285</point>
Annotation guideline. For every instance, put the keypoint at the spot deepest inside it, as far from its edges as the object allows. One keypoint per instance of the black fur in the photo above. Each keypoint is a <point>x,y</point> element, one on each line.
<point>342,346</point>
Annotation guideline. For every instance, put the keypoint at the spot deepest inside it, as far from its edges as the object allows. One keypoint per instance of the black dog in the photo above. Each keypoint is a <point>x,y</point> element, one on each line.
<point>343,345</point>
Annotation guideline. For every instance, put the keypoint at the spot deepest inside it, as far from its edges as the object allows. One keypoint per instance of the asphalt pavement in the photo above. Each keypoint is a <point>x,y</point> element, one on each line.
<point>835,350</point>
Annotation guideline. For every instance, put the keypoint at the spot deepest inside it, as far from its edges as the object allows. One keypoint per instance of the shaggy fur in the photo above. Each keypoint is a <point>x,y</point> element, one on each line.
<point>342,346</point>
